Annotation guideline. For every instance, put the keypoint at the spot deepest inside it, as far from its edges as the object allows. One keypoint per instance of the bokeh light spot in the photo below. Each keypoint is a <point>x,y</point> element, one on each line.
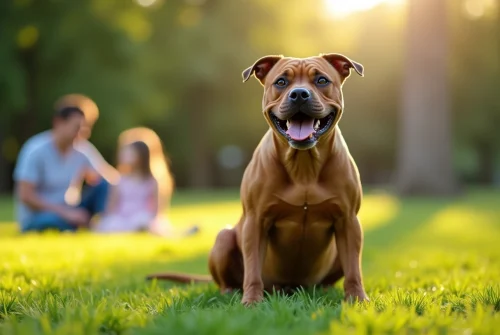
<point>146,3</point>
<point>342,8</point>
<point>27,37</point>
<point>474,9</point>
<point>230,157</point>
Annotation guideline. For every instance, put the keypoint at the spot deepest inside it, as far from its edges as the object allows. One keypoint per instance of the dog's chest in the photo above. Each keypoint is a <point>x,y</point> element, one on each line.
<point>305,196</point>
<point>299,223</point>
<point>300,245</point>
<point>302,215</point>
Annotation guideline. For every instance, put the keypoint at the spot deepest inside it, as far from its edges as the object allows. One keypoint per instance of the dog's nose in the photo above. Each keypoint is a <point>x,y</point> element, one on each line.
<point>299,95</point>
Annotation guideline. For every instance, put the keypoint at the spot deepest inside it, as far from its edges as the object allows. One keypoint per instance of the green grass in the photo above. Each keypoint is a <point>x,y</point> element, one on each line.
<point>430,266</point>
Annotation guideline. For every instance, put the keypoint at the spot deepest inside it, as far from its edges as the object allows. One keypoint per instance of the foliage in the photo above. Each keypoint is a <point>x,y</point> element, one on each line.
<point>175,66</point>
<point>430,266</point>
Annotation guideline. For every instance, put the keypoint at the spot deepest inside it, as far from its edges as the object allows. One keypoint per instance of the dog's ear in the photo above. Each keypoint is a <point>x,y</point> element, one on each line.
<point>343,65</point>
<point>261,68</point>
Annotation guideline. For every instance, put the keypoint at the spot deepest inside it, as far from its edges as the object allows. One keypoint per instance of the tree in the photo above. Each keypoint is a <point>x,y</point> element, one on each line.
<point>475,79</point>
<point>425,151</point>
<point>59,47</point>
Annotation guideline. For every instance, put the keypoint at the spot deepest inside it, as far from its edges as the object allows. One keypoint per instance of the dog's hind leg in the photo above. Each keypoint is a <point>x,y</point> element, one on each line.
<point>226,262</point>
<point>336,273</point>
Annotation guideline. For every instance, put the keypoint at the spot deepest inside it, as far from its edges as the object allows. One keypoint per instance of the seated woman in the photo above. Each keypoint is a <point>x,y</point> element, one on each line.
<point>144,188</point>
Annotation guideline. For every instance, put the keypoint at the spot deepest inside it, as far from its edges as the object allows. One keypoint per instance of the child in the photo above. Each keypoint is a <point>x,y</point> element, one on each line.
<point>133,203</point>
<point>158,161</point>
<point>145,188</point>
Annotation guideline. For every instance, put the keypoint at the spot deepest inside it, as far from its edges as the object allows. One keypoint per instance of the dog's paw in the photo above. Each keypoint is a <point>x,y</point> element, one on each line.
<point>251,299</point>
<point>356,296</point>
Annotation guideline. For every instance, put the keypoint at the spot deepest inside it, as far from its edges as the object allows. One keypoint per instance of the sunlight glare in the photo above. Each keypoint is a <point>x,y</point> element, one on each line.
<point>378,210</point>
<point>476,9</point>
<point>343,8</point>
<point>146,3</point>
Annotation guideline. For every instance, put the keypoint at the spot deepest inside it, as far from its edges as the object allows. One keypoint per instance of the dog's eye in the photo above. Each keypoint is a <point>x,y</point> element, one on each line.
<point>280,82</point>
<point>322,81</point>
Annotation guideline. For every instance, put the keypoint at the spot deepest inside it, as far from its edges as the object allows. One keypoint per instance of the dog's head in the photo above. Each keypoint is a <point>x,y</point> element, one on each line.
<point>302,97</point>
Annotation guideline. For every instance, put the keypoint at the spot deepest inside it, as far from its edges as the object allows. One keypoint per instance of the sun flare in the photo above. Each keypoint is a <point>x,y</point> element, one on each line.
<point>343,8</point>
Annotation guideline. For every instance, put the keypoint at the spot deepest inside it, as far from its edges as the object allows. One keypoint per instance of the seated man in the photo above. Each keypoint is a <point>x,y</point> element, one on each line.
<point>50,168</point>
<point>89,108</point>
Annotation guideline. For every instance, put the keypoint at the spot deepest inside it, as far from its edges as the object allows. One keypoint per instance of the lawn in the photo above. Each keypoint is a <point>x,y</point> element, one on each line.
<point>430,266</point>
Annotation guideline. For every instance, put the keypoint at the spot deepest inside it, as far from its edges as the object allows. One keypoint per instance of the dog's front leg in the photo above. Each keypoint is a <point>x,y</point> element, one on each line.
<point>349,239</point>
<point>254,243</point>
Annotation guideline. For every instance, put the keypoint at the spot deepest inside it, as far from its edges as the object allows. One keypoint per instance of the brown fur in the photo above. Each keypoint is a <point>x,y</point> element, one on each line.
<point>299,225</point>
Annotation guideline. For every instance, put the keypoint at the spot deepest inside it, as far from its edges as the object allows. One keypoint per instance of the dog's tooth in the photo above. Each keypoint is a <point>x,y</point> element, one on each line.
<point>287,124</point>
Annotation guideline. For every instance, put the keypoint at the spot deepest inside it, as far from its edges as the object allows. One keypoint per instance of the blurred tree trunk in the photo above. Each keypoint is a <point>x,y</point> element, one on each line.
<point>27,121</point>
<point>199,102</point>
<point>425,152</point>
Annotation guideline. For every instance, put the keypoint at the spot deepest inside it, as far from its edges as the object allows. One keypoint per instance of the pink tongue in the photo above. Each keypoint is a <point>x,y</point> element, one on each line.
<point>299,130</point>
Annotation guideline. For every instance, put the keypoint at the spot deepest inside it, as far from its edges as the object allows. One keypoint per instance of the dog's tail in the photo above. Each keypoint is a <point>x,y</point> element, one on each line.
<point>181,278</point>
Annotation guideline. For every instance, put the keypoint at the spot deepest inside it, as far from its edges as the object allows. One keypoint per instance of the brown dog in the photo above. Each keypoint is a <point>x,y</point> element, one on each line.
<point>301,191</point>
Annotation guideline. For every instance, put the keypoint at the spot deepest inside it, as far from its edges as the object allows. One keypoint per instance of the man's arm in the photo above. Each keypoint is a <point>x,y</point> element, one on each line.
<point>98,163</point>
<point>26,181</point>
<point>29,197</point>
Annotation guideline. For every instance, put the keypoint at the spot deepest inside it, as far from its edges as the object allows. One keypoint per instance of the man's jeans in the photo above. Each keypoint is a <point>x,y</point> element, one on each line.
<point>94,200</point>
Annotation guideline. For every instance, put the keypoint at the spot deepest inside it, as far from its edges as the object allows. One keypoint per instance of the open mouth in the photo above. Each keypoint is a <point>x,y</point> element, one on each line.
<point>302,128</point>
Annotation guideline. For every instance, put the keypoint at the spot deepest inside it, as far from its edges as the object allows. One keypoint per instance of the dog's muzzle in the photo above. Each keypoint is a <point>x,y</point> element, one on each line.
<point>301,130</point>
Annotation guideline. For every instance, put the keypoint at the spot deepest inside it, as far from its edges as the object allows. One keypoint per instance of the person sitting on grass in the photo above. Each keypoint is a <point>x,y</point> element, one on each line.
<point>145,187</point>
<point>49,169</point>
<point>82,144</point>
<point>133,203</point>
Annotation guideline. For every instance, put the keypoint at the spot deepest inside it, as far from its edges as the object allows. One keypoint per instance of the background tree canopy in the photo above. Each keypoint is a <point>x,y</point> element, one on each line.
<point>175,66</point>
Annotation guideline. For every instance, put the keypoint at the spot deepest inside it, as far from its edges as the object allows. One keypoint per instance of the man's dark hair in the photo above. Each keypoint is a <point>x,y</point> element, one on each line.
<point>67,112</point>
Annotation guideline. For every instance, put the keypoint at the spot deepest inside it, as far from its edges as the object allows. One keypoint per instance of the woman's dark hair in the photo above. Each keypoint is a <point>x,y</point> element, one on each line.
<point>144,157</point>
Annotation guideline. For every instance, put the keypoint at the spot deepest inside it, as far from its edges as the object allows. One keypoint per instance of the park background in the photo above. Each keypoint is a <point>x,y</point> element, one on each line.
<point>175,66</point>
<point>421,125</point>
